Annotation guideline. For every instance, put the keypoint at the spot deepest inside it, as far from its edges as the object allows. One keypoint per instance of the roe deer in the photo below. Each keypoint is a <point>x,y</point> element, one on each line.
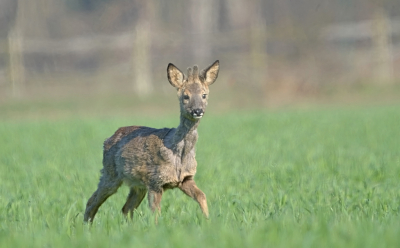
<point>154,160</point>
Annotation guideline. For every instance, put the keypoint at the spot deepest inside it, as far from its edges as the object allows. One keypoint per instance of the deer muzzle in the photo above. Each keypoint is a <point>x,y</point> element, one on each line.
<point>197,113</point>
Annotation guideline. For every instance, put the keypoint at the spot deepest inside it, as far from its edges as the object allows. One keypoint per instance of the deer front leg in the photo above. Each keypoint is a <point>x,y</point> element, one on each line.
<point>154,196</point>
<point>133,201</point>
<point>190,188</point>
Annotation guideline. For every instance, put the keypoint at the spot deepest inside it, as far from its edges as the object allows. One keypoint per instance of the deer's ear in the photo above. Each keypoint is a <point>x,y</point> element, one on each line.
<point>175,76</point>
<point>210,74</point>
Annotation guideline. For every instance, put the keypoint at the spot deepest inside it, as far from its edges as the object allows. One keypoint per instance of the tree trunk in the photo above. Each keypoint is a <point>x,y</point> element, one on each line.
<point>203,16</point>
<point>142,52</point>
<point>383,47</point>
<point>258,42</point>
<point>15,44</point>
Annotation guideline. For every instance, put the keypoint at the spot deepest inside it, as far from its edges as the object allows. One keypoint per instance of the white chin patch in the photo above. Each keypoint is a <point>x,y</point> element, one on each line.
<point>198,116</point>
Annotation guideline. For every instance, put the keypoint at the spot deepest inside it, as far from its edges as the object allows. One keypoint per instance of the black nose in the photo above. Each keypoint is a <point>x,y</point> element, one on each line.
<point>197,112</point>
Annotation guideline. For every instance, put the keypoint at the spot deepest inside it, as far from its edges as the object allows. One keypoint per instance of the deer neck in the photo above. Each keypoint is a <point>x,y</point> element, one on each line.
<point>185,136</point>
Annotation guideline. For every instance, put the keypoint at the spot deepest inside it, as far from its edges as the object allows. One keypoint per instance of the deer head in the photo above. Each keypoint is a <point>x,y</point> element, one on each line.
<point>193,88</point>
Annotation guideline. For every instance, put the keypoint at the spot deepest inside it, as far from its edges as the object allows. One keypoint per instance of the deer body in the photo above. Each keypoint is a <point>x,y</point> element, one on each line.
<point>150,160</point>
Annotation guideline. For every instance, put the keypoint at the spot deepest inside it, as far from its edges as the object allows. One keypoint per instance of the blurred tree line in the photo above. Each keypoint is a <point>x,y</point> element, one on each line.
<point>85,5</point>
<point>271,43</point>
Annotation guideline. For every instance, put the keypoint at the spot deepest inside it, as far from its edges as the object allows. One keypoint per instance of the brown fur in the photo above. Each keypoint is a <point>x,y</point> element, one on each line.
<point>154,160</point>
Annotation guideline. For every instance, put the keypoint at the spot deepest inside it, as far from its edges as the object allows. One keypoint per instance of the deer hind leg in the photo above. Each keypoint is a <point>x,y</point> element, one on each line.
<point>105,189</point>
<point>190,188</point>
<point>133,201</point>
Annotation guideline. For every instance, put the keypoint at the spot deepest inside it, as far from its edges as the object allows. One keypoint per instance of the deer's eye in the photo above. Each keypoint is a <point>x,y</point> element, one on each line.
<point>204,96</point>
<point>185,97</point>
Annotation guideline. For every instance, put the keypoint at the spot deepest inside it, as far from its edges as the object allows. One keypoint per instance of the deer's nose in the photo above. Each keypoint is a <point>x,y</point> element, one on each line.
<point>197,113</point>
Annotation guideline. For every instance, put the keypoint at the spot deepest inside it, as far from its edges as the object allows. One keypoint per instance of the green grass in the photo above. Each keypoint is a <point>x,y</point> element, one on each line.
<point>310,178</point>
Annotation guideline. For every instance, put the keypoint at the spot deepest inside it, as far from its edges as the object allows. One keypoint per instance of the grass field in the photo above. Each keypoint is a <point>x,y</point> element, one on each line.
<point>306,178</point>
